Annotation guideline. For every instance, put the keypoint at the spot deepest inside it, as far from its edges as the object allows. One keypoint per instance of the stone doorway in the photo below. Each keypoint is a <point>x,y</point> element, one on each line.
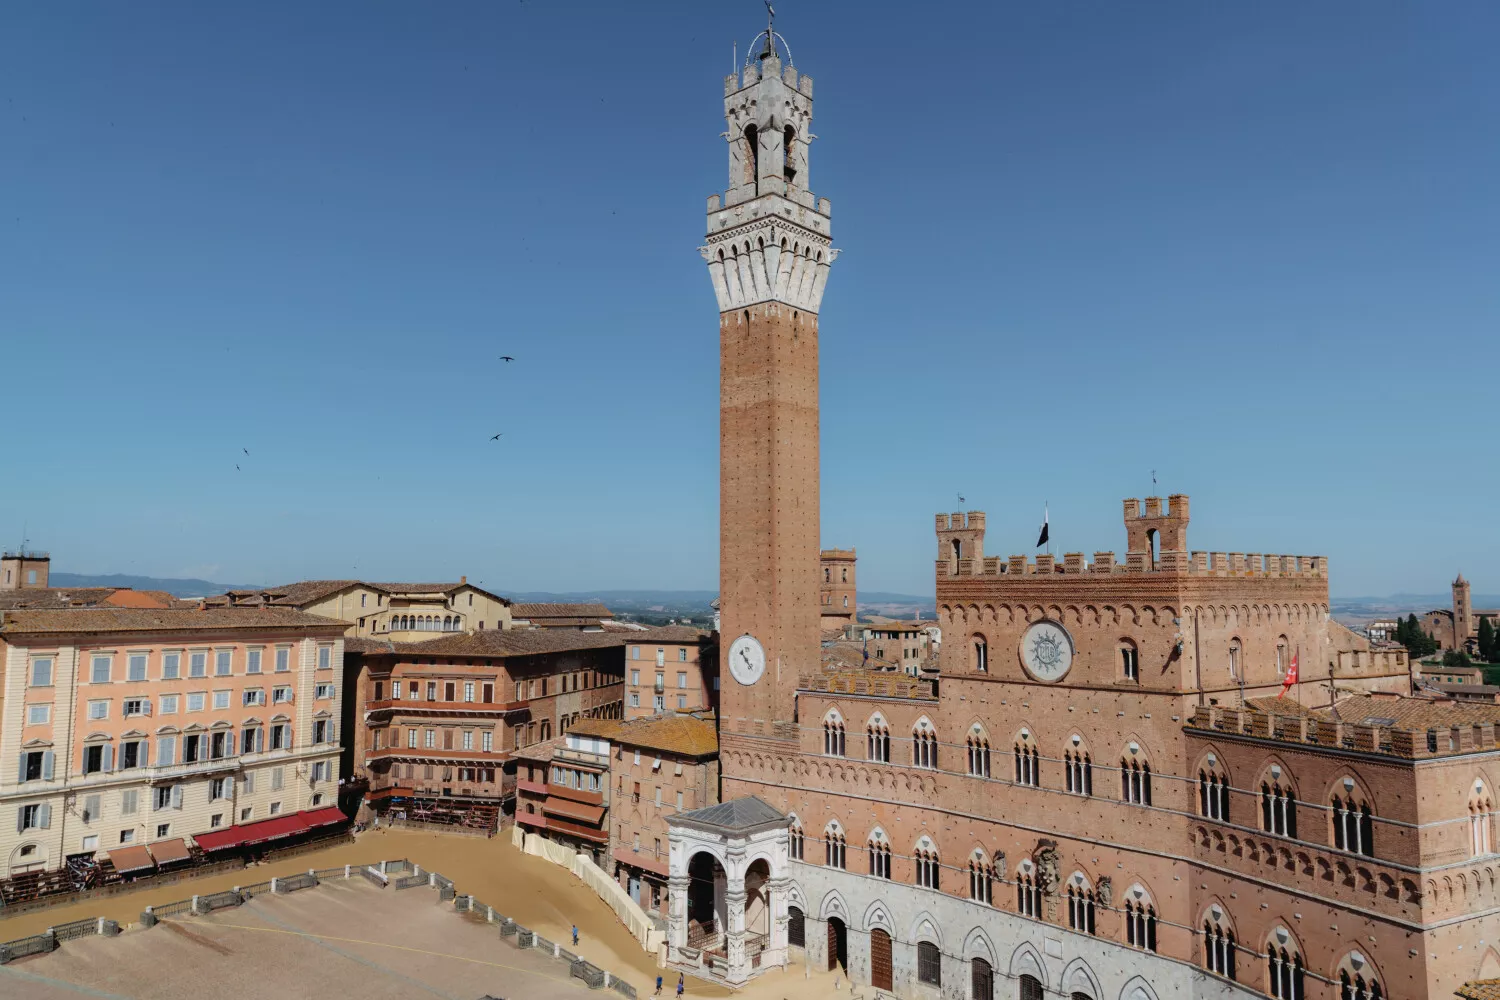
<point>983,980</point>
<point>838,944</point>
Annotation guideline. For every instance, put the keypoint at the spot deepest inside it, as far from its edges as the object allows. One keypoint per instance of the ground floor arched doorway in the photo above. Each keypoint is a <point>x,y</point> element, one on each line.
<point>706,883</point>
<point>880,960</point>
<point>838,944</point>
<point>982,980</point>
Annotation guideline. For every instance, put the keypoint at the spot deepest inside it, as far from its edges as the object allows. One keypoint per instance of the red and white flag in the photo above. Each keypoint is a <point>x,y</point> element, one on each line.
<point>1291,677</point>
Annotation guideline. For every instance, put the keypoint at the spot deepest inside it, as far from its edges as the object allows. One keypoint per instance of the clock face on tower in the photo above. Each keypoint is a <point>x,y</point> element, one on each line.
<point>1047,651</point>
<point>747,659</point>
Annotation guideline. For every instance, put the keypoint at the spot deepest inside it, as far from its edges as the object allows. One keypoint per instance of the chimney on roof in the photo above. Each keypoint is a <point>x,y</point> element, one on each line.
<point>463,580</point>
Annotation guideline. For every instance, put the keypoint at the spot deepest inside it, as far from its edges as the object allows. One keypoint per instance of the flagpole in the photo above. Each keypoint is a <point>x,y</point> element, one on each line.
<point>1297,687</point>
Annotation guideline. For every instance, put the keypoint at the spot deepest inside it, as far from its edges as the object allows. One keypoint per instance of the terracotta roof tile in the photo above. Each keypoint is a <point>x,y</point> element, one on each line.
<point>680,634</point>
<point>510,642</point>
<point>1479,989</point>
<point>160,619</point>
<point>534,611</point>
<point>690,735</point>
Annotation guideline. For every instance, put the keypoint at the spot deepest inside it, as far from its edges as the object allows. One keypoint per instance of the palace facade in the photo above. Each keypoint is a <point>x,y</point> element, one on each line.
<point>1166,775</point>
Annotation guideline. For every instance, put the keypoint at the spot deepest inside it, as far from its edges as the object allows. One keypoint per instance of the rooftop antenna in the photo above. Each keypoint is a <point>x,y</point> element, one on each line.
<point>1153,479</point>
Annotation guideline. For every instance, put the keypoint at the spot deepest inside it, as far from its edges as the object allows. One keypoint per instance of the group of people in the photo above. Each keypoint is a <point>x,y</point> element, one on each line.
<point>681,985</point>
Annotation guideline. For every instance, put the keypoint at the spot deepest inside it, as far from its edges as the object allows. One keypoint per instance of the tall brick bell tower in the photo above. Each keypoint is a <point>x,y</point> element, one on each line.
<point>768,255</point>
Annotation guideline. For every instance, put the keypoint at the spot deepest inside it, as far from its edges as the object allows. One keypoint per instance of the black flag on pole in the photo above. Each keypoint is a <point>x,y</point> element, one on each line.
<point>1042,538</point>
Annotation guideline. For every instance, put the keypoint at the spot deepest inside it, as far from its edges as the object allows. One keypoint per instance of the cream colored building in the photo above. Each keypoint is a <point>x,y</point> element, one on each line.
<point>124,727</point>
<point>403,612</point>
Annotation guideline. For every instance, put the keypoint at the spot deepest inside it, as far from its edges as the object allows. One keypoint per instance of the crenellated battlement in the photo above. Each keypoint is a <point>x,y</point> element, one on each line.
<point>1224,564</point>
<point>1156,532</point>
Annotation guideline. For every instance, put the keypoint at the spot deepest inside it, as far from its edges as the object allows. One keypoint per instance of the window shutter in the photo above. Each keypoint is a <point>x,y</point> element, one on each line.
<point>91,808</point>
<point>44,816</point>
<point>329,733</point>
<point>176,796</point>
<point>229,788</point>
<point>229,744</point>
<point>108,755</point>
<point>145,706</point>
<point>21,820</point>
<point>47,759</point>
<point>166,749</point>
<point>333,690</point>
<point>21,771</point>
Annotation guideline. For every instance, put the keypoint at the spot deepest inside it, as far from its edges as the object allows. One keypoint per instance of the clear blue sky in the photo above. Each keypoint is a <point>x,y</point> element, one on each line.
<point>1251,246</point>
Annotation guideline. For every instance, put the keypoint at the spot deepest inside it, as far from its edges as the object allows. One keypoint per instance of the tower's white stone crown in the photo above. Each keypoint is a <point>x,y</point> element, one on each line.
<point>768,235</point>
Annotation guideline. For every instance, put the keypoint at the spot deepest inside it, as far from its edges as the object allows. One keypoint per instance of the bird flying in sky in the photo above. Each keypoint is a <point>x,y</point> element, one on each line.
<point>495,438</point>
<point>506,357</point>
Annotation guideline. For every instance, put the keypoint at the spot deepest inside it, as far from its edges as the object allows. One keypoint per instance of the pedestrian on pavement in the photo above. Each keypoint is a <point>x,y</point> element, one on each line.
<point>658,987</point>
<point>575,935</point>
<point>681,984</point>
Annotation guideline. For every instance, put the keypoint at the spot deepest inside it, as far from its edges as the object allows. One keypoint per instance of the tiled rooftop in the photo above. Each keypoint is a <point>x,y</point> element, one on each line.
<point>161,619</point>
<point>495,642</point>
<point>536,611</point>
<point>690,735</point>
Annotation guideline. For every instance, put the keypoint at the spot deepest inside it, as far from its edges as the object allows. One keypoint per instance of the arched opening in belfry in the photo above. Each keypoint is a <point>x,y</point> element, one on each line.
<point>706,891</point>
<point>788,163</point>
<point>1153,542</point>
<point>758,899</point>
<point>752,156</point>
<point>958,549</point>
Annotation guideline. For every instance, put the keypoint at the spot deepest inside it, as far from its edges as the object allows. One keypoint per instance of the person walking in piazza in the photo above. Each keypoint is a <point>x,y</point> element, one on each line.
<point>575,935</point>
<point>658,987</point>
<point>681,984</point>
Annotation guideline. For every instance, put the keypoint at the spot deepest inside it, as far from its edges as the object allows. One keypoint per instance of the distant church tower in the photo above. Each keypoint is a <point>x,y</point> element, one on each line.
<point>768,255</point>
<point>1463,613</point>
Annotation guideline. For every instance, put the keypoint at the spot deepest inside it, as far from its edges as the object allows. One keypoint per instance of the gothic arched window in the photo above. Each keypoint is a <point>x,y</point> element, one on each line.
<point>924,745</point>
<point>1081,904</point>
<point>928,868</point>
<point>981,878</point>
<point>1079,768</point>
<point>880,854</point>
<point>878,740</point>
<point>1218,943</point>
<point>979,752</point>
<point>1353,821</point>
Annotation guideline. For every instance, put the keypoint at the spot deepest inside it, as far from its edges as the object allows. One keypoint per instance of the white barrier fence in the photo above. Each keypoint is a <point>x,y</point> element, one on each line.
<point>583,868</point>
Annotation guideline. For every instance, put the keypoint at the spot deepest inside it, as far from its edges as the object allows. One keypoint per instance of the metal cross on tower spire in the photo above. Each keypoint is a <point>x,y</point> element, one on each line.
<point>770,29</point>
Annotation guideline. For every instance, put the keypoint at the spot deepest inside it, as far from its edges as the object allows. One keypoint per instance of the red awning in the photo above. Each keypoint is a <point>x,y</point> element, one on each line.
<point>326,816</point>
<point>165,851</point>
<point>131,859</point>
<point>573,810</point>
<point>531,819</point>
<point>645,862</point>
<point>274,828</point>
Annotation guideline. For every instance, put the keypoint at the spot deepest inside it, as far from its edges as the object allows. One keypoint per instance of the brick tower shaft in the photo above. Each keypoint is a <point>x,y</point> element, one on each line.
<point>768,253</point>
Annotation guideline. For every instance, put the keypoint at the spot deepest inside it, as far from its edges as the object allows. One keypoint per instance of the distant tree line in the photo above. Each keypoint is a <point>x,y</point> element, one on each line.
<point>1409,633</point>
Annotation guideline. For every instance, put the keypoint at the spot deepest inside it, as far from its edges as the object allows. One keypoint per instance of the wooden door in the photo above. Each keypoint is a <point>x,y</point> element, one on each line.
<point>833,944</point>
<point>880,960</point>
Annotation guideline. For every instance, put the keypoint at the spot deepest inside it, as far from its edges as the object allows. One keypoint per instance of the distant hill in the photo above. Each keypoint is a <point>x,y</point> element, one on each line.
<point>175,587</point>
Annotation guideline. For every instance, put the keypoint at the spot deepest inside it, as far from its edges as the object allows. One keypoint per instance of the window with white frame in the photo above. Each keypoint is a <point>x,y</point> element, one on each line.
<point>169,704</point>
<point>325,657</point>
<point>171,666</point>
<point>281,696</point>
<point>41,671</point>
<point>323,691</point>
<point>283,658</point>
<point>252,660</point>
<point>99,669</point>
<point>98,709</point>
<point>196,700</point>
<point>38,715</point>
<point>198,664</point>
<point>135,667</point>
<point>223,662</point>
<point>221,700</point>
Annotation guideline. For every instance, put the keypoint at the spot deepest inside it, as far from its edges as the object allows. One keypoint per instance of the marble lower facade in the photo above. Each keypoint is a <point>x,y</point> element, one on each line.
<point>1068,965</point>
